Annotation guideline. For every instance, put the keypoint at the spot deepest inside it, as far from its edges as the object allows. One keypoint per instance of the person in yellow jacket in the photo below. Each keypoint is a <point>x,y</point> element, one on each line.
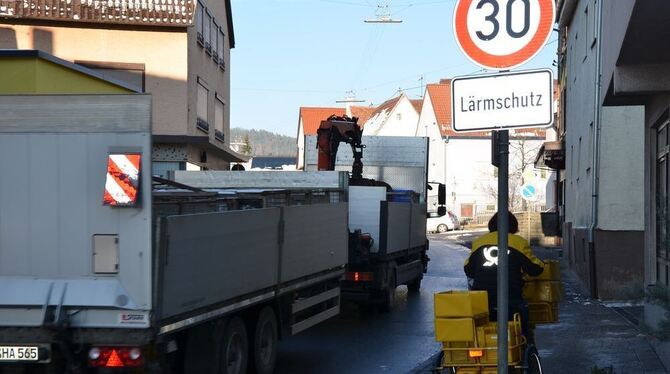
<point>481,268</point>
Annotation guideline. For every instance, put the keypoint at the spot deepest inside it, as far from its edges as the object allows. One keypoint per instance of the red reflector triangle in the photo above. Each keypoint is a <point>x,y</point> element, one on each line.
<point>114,361</point>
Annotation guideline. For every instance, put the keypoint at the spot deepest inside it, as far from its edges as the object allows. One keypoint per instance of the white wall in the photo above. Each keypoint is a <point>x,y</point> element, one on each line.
<point>398,121</point>
<point>621,186</point>
<point>427,127</point>
<point>300,163</point>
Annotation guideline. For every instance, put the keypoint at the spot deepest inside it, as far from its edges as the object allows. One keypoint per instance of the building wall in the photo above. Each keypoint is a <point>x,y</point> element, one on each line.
<point>616,15</point>
<point>470,175</point>
<point>621,177</point>
<point>399,121</point>
<point>609,257</point>
<point>201,65</point>
<point>580,115</point>
<point>437,149</point>
<point>300,162</point>
<point>165,81</point>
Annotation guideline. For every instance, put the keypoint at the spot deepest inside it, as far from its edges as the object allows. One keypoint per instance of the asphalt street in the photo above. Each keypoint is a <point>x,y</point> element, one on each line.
<point>367,341</point>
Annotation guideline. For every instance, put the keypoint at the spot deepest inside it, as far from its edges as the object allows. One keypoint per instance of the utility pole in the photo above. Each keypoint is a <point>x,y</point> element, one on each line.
<point>349,99</point>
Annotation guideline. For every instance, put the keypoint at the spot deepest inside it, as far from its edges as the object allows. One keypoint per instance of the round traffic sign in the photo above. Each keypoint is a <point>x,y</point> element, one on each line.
<point>528,192</point>
<point>502,34</point>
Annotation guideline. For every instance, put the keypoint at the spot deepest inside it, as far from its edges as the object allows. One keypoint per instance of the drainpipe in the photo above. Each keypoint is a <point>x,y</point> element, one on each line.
<point>596,150</point>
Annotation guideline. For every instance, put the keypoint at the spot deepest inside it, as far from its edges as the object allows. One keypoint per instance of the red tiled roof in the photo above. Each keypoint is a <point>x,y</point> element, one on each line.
<point>417,104</point>
<point>363,113</point>
<point>312,117</point>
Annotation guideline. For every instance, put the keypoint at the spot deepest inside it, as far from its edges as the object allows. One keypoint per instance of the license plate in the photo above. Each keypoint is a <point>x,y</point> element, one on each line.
<point>19,353</point>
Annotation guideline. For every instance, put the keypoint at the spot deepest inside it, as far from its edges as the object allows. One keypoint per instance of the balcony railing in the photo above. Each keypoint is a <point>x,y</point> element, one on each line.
<point>128,12</point>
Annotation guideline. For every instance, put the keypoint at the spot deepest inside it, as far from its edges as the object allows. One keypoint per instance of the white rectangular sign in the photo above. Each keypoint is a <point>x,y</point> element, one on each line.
<point>519,99</point>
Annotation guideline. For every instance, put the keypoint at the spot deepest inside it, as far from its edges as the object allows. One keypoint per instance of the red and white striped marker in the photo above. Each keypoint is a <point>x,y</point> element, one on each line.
<point>121,187</point>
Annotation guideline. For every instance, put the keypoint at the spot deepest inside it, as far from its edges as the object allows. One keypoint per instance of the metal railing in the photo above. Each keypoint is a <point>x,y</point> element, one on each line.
<point>129,12</point>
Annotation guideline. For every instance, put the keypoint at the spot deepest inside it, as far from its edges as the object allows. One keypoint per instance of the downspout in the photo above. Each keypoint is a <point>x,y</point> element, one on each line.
<point>596,154</point>
<point>596,130</point>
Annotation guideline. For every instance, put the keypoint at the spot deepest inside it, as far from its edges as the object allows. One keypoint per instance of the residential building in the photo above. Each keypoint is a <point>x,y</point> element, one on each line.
<point>309,120</point>
<point>177,50</point>
<point>602,188</point>
<point>635,72</point>
<point>462,161</point>
<point>395,117</point>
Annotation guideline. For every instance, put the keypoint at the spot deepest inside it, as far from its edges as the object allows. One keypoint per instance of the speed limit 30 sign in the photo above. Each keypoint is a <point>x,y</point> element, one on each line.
<point>503,34</point>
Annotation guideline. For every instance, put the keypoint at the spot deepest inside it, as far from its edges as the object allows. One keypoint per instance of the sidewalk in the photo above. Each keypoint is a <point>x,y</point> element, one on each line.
<point>589,334</point>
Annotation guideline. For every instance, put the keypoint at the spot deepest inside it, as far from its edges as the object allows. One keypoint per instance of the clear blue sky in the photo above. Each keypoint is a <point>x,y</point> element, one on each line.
<point>292,53</point>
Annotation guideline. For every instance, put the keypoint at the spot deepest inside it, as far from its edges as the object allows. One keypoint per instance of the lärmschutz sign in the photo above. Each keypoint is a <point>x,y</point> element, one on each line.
<point>521,99</point>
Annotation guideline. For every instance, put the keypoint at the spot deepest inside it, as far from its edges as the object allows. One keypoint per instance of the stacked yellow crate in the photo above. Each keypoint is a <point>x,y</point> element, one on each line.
<point>468,337</point>
<point>457,314</point>
<point>543,294</point>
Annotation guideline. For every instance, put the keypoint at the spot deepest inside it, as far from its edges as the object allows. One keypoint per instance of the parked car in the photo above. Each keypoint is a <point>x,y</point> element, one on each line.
<point>448,222</point>
<point>457,222</point>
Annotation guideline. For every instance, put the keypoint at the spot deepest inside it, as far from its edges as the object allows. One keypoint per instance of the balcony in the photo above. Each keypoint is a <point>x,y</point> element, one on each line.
<point>124,12</point>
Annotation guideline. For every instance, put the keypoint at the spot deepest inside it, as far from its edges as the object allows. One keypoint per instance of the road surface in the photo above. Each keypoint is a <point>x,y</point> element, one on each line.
<point>372,342</point>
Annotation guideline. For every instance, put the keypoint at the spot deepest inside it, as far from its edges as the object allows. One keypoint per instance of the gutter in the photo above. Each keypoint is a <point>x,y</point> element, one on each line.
<point>596,131</point>
<point>566,9</point>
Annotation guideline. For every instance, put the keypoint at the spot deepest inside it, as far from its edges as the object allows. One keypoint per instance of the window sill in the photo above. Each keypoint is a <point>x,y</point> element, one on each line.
<point>202,125</point>
<point>218,135</point>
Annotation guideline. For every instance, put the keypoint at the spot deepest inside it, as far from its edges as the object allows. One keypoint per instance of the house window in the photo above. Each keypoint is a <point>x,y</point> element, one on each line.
<point>131,74</point>
<point>207,30</point>
<point>399,116</point>
<point>218,118</point>
<point>222,62</point>
<point>203,93</point>
<point>199,23</point>
<point>215,41</point>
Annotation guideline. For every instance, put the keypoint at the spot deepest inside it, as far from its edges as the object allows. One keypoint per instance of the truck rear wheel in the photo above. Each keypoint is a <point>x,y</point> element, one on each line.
<point>264,345</point>
<point>389,294</point>
<point>415,285</point>
<point>234,348</point>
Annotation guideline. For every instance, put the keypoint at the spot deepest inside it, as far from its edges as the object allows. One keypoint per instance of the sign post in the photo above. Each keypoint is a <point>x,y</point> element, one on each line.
<point>503,229</point>
<point>501,35</point>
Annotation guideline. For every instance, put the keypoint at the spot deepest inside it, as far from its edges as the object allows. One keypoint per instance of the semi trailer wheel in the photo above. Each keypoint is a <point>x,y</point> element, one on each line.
<point>234,348</point>
<point>264,345</point>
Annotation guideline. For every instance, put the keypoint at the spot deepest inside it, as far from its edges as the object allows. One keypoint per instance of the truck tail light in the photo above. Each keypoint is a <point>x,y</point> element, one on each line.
<point>359,276</point>
<point>115,357</point>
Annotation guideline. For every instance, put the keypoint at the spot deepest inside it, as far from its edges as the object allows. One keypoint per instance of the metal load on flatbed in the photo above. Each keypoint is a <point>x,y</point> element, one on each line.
<point>396,220</point>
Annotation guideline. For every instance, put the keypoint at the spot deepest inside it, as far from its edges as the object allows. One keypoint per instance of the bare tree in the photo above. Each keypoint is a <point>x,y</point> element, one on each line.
<point>522,156</point>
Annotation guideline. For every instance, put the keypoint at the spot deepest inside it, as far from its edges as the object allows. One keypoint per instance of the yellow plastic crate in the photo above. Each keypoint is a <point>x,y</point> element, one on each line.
<point>543,291</point>
<point>456,304</point>
<point>541,313</point>
<point>455,329</point>
<point>458,356</point>
<point>551,272</point>
<point>472,370</point>
<point>487,337</point>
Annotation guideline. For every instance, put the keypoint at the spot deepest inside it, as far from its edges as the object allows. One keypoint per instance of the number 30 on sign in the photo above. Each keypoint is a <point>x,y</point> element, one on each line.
<point>502,34</point>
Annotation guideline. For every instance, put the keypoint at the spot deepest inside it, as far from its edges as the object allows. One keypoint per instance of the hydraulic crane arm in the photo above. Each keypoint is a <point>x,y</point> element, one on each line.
<point>338,129</point>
